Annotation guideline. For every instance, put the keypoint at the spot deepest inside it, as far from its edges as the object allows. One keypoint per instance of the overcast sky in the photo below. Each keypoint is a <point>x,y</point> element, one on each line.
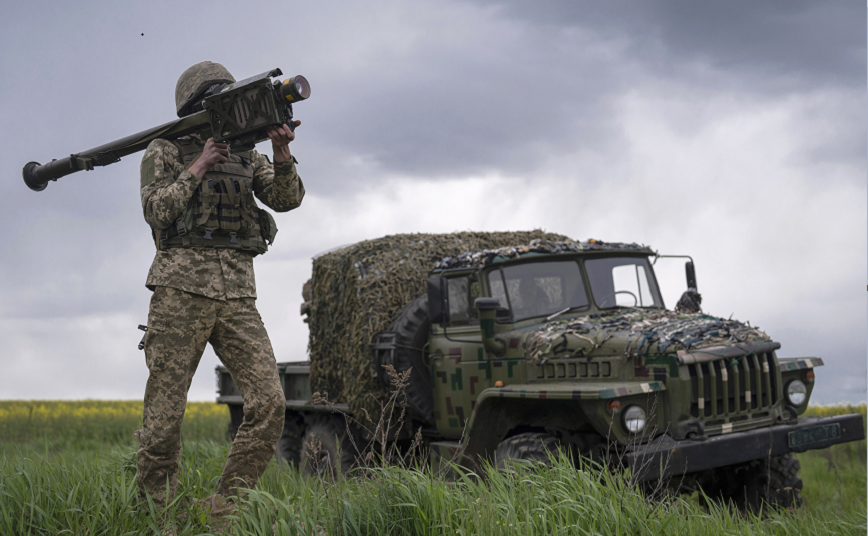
<point>731,131</point>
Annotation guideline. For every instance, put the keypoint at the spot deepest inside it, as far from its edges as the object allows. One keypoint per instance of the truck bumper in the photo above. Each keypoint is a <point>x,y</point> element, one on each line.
<point>667,458</point>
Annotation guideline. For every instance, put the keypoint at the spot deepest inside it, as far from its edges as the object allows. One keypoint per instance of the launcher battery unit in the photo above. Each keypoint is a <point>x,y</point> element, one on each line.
<point>517,351</point>
<point>238,114</point>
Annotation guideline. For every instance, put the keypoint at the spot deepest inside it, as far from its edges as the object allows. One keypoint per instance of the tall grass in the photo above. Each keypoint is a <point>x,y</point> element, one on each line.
<point>95,495</point>
<point>835,478</point>
<point>44,490</point>
<point>556,500</point>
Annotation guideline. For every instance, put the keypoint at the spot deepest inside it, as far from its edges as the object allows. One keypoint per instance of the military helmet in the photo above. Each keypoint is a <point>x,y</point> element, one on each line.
<point>197,79</point>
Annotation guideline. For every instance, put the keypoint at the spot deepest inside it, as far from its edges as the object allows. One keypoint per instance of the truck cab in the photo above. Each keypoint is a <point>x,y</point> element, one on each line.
<point>530,291</point>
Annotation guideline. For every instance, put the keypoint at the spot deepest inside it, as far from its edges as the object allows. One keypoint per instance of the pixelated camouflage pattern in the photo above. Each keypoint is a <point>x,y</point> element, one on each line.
<point>179,326</point>
<point>166,189</point>
<point>462,372</point>
<point>356,292</point>
<point>220,274</point>
<point>599,355</point>
<point>197,79</point>
<point>596,362</point>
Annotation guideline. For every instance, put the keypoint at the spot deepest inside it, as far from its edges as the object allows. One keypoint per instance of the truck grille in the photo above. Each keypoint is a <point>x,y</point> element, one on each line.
<point>728,390</point>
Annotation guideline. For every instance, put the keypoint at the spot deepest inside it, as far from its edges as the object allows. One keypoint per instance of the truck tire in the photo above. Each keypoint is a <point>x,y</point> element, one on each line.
<point>530,446</point>
<point>236,417</point>
<point>289,445</point>
<point>411,327</point>
<point>761,484</point>
<point>776,483</point>
<point>319,449</point>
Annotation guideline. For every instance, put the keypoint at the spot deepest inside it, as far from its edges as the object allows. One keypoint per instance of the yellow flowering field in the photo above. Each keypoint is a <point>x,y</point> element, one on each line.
<point>835,409</point>
<point>114,421</point>
<point>104,421</point>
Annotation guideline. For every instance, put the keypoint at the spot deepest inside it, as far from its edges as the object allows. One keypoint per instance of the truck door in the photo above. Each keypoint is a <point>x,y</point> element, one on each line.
<point>458,366</point>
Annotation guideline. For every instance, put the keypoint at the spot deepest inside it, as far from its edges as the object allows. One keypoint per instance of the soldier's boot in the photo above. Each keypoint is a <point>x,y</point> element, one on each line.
<point>157,472</point>
<point>219,510</point>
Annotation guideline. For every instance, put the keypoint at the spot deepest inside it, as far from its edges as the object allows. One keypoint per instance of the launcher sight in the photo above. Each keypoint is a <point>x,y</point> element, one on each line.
<point>238,114</point>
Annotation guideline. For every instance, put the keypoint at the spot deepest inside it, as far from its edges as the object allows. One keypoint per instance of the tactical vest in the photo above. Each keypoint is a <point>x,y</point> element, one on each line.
<point>222,213</point>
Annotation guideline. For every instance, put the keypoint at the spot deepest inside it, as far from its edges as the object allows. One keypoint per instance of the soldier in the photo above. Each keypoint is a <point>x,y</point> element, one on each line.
<point>198,198</point>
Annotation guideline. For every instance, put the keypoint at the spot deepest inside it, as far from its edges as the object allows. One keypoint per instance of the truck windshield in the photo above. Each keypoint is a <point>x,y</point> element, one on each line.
<point>538,289</point>
<point>622,282</point>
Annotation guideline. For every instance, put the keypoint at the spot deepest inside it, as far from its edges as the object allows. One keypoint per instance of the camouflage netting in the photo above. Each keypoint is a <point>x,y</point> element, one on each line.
<point>646,332</point>
<point>485,257</point>
<point>357,290</point>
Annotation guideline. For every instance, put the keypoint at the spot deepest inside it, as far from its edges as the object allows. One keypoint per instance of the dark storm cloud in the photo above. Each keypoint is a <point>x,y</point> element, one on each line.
<point>492,109</point>
<point>544,77</point>
<point>804,42</point>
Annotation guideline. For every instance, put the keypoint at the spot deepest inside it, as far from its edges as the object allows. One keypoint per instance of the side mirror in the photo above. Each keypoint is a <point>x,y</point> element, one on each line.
<point>691,275</point>
<point>438,301</point>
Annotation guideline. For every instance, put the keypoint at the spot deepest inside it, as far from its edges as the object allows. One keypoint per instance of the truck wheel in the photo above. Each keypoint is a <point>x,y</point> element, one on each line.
<point>319,448</point>
<point>530,446</point>
<point>236,416</point>
<point>761,484</point>
<point>289,450</point>
<point>775,483</point>
<point>411,327</point>
<point>290,442</point>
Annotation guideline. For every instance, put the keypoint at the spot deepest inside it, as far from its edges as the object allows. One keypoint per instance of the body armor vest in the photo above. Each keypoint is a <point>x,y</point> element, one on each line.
<point>222,213</point>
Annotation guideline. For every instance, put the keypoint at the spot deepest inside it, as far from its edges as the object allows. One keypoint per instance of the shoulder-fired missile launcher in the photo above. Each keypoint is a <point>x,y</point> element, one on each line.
<point>238,114</point>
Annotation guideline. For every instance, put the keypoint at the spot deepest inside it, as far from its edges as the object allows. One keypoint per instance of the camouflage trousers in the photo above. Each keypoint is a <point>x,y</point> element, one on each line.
<point>179,326</point>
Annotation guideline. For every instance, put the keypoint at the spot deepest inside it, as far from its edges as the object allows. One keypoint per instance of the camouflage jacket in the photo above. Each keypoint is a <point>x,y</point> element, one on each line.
<point>221,274</point>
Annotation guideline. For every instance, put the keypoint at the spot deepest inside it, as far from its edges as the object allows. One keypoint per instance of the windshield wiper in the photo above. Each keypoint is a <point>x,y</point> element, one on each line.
<point>562,311</point>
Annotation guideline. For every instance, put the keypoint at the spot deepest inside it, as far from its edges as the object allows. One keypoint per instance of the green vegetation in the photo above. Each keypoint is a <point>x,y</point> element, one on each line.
<point>87,487</point>
<point>834,478</point>
<point>74,424</point>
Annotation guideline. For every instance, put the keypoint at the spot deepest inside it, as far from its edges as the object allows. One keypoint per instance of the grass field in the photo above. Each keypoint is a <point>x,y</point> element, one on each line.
<point>69,467</point>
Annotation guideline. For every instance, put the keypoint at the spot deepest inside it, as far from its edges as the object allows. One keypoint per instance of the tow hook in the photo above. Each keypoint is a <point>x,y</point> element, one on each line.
<point>697,432</point>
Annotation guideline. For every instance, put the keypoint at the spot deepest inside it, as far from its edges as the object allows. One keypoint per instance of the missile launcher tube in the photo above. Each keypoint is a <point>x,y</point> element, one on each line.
<point>36,175</point>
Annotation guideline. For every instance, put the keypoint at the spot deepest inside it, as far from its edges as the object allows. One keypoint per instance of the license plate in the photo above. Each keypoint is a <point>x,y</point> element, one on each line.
<point>813,437</point>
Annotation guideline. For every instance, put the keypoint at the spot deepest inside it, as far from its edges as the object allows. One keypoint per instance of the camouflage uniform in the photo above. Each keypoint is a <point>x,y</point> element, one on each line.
<point>206,295</point>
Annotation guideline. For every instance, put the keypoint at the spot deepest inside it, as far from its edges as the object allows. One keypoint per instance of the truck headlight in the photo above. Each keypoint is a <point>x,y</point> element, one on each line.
<point>796,392</point>
<point>634,419</point>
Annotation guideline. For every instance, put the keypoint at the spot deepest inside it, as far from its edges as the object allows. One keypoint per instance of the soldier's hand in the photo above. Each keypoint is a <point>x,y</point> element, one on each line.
<point>280,137</point>
<point>214,153</point>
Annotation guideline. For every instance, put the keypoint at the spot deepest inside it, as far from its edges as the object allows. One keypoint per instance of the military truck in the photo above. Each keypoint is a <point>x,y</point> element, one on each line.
<point>516,351</point>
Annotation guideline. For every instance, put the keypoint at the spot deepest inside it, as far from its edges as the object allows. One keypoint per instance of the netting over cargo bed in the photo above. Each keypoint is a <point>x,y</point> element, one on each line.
<point>356,292</point>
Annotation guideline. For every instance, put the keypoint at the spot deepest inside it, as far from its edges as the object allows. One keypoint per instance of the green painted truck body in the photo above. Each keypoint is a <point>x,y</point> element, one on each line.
<point>574,367</point>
